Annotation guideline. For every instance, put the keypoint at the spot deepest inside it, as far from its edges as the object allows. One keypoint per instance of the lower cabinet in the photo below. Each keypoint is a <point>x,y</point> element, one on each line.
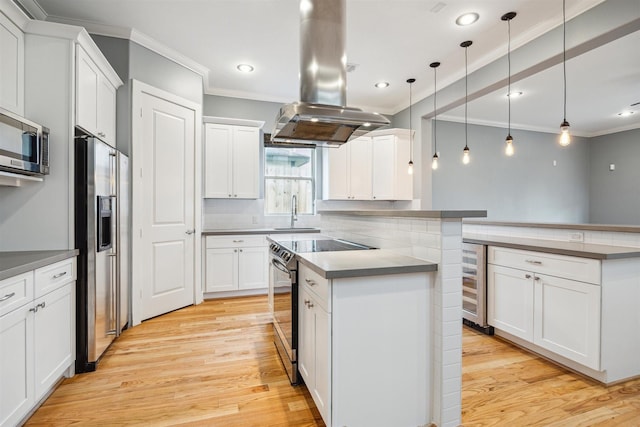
<point>36,338</point>
<point>315,350</point>
<point>555,313</point>
<point>236,263</point>
<point>351,327</point>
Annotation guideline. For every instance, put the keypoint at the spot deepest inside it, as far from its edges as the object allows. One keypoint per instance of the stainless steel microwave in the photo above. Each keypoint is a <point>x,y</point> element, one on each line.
<point>24,145</point>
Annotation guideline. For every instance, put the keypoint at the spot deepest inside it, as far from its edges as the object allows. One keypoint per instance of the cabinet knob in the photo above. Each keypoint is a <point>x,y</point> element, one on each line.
<point>306,302</point>
<point>310,305</point>
<point>240,250</point>
<point>536,278</point>
<point>235,250</point>
<point>235,195</point>
<point>310,282</point>
<point>527,276</point>
<point>229,195</point>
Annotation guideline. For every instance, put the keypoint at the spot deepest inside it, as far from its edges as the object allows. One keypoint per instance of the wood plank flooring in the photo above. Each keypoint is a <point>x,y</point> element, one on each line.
<point>215,365</point>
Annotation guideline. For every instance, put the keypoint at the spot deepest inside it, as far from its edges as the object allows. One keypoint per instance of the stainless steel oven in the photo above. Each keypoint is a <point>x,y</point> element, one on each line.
<point>283,291</point>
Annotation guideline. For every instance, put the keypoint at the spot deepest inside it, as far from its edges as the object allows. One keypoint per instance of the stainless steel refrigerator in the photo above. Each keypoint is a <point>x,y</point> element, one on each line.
<point>102,237</point>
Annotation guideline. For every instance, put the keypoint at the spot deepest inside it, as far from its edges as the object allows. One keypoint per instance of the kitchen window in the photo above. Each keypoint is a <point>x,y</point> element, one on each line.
<point>288,172</point>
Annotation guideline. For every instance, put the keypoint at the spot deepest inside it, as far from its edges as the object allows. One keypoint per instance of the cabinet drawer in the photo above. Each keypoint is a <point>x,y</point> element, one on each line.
<point>55,275</point>
<point>569,267</point>
<point>315,284</point>
<point>238,241</point>
<point>15,292</point>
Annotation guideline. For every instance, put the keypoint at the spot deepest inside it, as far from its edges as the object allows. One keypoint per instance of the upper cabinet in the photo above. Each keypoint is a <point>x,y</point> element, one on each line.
<point>95,99</point>
<point>232,159</point>
<point>349,171</point>
<point>373,167</point>
<point>11,66</point>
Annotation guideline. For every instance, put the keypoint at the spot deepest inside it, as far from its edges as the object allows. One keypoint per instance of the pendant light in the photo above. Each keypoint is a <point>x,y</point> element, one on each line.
<point>465,152</point>
<point>434,161</point>
<point>410,168</point>
<point>565,137</point>
<point>508,150</point>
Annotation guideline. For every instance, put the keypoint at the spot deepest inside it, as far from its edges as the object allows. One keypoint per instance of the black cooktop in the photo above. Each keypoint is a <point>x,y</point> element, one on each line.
<point>329,245</point>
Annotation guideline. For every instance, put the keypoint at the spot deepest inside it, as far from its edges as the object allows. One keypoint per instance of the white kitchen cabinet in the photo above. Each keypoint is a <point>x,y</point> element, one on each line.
<point>36,338</point>
<point>349,170</point>
<point>559,314</point>
<point>348,328</point>
<point>232,156</point>
<point>314,362</point>
<point>373,167</point>
<point>391,154</point>
<point>11,66</point>
<point>567,319</point>
<point>95,99</point>
<point>510,305</point>
<point>16,365</point>
<point>236,263</point>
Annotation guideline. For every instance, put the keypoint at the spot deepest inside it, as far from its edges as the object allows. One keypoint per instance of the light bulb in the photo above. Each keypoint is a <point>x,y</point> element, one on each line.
<point>565,137</point>
<point>508,150</point>
<point>410,168</point>
<point>434,162</point>
<point>465,156</point>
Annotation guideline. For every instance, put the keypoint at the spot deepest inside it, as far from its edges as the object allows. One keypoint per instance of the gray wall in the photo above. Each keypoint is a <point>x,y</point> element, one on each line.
<point>132,61</point>
<point>525,187</point>
<point>614,196</point>
<point>237,108</point>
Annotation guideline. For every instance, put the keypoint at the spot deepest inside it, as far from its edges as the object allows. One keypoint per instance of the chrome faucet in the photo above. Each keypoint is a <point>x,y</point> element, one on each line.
<point>294,209</point>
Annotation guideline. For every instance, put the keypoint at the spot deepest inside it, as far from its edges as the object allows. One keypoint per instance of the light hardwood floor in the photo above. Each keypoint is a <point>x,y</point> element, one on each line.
<point>215,365</point>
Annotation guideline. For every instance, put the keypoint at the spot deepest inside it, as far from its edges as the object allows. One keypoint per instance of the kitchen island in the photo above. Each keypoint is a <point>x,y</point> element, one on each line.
<point>434,237</point>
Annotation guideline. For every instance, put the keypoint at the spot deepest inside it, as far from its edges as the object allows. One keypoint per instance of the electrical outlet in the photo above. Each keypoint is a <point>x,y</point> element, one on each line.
<point>254,219</point>
<point>576,237</point>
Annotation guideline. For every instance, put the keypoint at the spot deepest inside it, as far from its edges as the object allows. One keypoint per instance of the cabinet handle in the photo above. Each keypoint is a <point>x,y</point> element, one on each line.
<point>310,282</point>
<point>532,261</point>
<point>527,276</point>
<point>41,305</point>
<point>102,134</point>
<point>59,275</point>
<point>306,302</point>
<point>238,241</point>
<point>190,231</point>
<point>536,278</point>
<point>7,296</point>
<point>310,305</point>
<point>33,310</point>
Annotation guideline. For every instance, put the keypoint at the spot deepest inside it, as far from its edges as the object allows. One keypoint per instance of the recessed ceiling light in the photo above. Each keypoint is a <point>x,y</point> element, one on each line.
<point>245,68</point>
<point>382,85</point>
<point>467,19</point>
<point>514,95</point>
<point>626,113</point>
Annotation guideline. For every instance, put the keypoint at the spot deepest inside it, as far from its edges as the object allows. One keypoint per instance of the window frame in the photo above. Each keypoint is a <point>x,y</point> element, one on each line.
<point>312,179</point>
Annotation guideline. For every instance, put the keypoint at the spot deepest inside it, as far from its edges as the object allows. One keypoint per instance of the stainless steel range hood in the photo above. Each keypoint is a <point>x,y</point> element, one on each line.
<point>321,117</point>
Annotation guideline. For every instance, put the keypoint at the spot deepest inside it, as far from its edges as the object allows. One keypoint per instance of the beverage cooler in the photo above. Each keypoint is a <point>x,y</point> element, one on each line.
<point>474,287</point>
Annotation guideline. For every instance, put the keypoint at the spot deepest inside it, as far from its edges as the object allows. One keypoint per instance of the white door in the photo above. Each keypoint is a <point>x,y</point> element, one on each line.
<point>383,174</point>
<point>218,160</point>
<point>252,264</point>
<point>510,300</point>
<point>164,198</point>
<point>360,164</point>
<point>222,269</point>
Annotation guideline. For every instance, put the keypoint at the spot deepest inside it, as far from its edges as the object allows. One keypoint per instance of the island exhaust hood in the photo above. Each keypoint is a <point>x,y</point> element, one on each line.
<point>321,118</point>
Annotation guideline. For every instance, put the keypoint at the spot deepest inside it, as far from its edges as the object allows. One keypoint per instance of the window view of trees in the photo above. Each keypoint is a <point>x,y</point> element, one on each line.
<point>288,172</point>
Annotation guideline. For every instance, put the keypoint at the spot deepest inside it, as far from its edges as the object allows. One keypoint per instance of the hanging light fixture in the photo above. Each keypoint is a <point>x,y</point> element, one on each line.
<point>508,150</point>
<point>565,137</point>
<point>465,152</point>
<point>410,168</point>
<point>434,161</point>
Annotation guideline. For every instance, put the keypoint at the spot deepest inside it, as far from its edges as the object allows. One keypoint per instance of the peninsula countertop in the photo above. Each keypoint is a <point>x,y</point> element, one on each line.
<point>375,262</point>
<point>15,263</point>
<point>579,249</point>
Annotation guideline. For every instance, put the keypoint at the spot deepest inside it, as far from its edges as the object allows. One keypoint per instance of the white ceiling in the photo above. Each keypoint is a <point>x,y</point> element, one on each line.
<point>389,40</point>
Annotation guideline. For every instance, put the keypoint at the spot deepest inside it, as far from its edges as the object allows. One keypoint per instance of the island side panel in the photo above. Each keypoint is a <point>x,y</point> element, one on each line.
<point>381,350</point>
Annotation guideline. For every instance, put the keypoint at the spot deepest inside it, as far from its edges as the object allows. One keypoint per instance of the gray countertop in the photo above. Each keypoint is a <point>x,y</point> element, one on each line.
<point>584,250</point>
<point>376,262</point>
<point>15,263</point>
<point>588,227</point>
<point>409,213</point>
<point>228,232</point>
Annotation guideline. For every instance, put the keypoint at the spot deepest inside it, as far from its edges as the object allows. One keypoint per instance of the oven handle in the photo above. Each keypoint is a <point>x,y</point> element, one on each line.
<point>280,266</point>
